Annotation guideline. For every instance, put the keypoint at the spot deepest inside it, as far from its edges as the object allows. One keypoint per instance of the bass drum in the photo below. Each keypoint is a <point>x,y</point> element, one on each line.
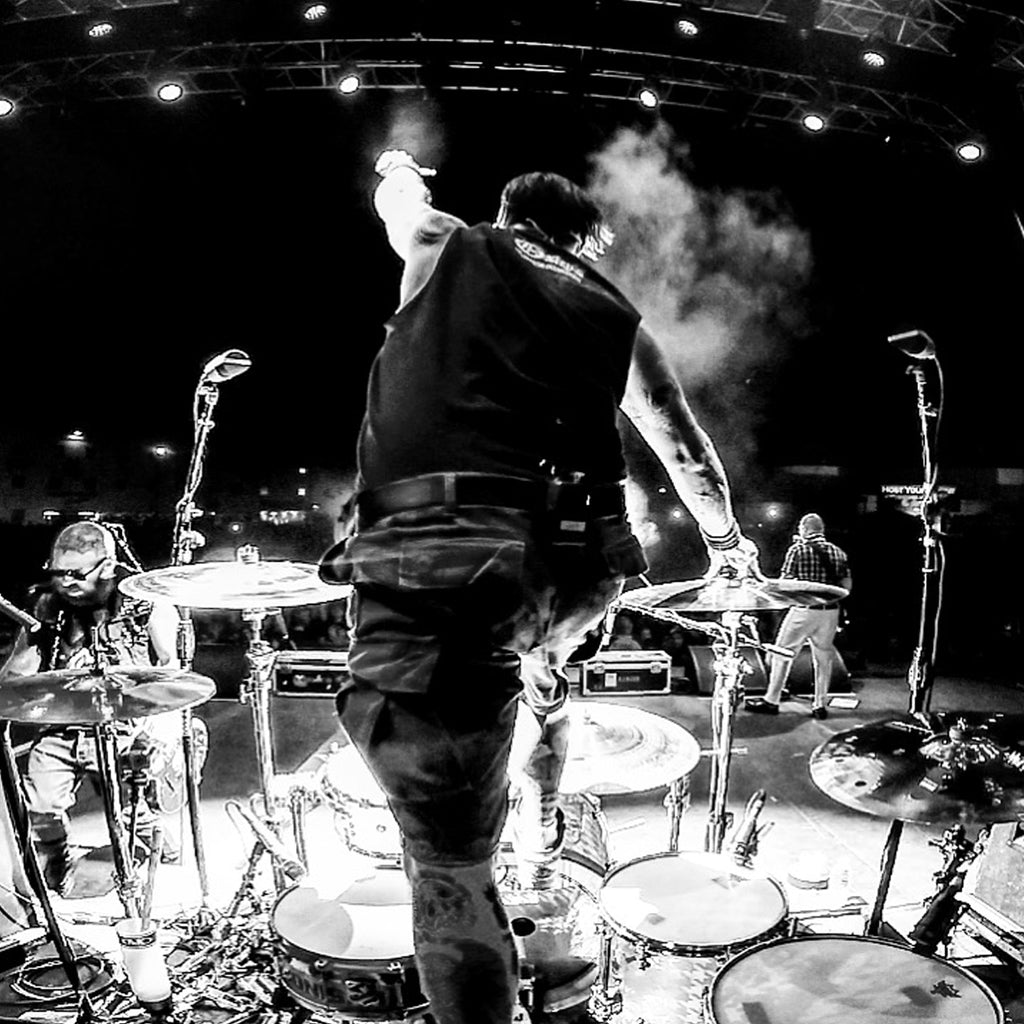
<point>845,979</point>
<point>673,919</point>
<point>351,955</point>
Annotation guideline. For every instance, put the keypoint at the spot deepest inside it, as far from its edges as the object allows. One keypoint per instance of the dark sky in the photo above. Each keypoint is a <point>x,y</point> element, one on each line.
<point>135,241</point>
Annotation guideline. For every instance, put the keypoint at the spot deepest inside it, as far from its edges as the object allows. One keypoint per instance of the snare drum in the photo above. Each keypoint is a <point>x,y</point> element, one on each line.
<point>672,920</point>
<point>363,816</point>
<point>352,954</point>
<point>845,979</point>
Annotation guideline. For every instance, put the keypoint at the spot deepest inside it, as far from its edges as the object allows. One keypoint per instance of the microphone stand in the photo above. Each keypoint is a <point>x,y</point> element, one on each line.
<point>183,546</point>
<point>921,674</point>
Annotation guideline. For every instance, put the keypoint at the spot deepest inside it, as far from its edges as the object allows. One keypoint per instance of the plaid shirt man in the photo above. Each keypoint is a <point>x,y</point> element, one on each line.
<point>816,560</point>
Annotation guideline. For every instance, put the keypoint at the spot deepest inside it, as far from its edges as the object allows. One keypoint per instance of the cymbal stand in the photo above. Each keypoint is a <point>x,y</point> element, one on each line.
<point>10,784</point>
<point>255,691</point>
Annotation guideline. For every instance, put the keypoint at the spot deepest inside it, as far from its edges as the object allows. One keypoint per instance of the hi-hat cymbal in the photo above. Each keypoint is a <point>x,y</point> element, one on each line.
<point>234,585</point>
<point>618,749</point>
<point>84,696</point>
<point>722,594</point>
<point>941,767</point>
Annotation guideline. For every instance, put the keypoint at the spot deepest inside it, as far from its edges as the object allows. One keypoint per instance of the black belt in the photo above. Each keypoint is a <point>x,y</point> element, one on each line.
<point>458,489</point>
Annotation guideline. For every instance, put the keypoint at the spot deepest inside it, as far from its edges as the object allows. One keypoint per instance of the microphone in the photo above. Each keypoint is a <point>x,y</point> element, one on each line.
<point>915,344</point>
<point>294,869</point>
<point>224,366</point>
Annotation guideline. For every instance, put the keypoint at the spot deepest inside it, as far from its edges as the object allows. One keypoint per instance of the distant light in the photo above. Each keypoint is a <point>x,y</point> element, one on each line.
<point>300,491</point>
<point>161,451</point>
<point>100,30</point>
<point>773,511</point>
<point>170,92</point>
<point>648,98</point>
<point>348,84</point>
<point>50,513</point>
<point>302,470</point>
<point>235,527</point>
<point>677,513</point>
<point>315,506</point>
<point>76,436</point>
<point>6,106</point>
<point>872,58</point>
<point>663,490</point>
<point>687,27</point>
<point>314,12</point>
<point>970,152</point>
<point>813,122</point>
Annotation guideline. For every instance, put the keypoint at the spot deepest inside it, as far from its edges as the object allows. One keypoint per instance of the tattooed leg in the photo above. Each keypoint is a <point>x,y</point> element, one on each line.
<point>464,949</point>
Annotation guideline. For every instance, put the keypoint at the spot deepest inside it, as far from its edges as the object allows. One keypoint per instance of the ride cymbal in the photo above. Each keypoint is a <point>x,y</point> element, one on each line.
<point>740,594</point>
<point>234,585</point>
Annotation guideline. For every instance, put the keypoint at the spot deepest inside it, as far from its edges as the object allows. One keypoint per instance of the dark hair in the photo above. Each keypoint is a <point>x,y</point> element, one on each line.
<point>559,207</point>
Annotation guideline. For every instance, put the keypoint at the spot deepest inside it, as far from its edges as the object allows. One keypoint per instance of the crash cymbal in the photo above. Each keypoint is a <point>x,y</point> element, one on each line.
<point>618,749</point>
<point>722,594</point>
<point>941,767</point>
<point>234,585</point>
<point>84,696</point>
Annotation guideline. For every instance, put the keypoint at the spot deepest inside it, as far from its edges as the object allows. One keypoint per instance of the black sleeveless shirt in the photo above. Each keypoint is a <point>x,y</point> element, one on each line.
<point>511,359</point>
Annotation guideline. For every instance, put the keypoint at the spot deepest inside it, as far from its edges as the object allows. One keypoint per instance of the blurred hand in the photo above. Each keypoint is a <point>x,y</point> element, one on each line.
<point>736,563</point>
<point>391,159</point>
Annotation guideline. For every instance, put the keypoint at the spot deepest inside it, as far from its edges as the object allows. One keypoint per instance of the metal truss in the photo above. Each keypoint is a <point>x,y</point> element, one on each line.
<point>751,74</point>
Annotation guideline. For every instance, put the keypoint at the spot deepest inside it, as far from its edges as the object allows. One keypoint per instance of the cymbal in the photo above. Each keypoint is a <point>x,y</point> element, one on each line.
<point>234,585</point>
<point>84,696</point>
<point>941,767</point>
<point>725,594</point>
<point>618,749</point>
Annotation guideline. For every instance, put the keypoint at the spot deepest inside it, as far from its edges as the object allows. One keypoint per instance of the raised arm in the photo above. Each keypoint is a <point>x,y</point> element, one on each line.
<point>655,404</point>
<point>23,660</point>
<point>416,231</point>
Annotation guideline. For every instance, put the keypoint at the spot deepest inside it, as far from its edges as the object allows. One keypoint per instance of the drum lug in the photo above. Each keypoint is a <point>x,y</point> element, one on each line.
<point>643,956</point>
<point>397,968</point>
<point>318,966</point>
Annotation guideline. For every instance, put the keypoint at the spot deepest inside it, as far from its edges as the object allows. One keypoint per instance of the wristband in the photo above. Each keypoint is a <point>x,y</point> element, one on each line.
<point>726,542</point>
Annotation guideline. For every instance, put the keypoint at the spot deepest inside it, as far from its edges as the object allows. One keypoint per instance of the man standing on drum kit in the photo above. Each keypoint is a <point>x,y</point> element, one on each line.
<point>82,595</point>
<point>810,557</point>
<point>489,535</point>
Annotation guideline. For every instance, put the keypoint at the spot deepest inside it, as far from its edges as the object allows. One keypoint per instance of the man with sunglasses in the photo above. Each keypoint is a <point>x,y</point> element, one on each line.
<point>81,602</point>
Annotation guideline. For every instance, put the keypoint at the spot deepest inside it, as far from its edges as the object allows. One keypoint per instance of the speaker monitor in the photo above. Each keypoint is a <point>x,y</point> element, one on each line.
<point>801,673</point>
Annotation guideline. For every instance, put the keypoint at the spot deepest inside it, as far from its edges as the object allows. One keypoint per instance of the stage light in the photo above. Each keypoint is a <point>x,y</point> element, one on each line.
<point>970,152</point>
<point>872,57</point>
<point>162,451</point>
<point>314,12</point>
<point>7,106</point>
<point>100,30</point>
<point>170,92</point>
<point>677,513</point>
<point>814,122</point>
<point>75,436</point>
<point>687,28</point>
<point>349,83</point>
<point>648,97</point>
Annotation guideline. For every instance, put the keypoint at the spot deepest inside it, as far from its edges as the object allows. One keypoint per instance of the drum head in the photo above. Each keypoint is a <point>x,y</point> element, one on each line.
<point>846,979</point>
<point>685,902</point>
<point>346,776</point>
<point>370,920</point>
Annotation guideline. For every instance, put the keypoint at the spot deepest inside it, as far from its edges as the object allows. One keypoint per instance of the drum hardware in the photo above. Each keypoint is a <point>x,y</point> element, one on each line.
<point>964,767</point>
<point>257,588</point>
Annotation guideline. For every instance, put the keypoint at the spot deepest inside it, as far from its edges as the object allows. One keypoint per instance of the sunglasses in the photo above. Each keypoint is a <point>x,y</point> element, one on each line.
<point>72,574</point>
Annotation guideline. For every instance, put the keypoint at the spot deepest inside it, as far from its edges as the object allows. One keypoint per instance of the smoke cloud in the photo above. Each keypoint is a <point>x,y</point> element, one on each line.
<point>718,276</point>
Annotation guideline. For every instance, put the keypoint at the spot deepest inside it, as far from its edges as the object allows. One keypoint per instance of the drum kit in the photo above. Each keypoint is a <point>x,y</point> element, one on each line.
<point>673,936</point>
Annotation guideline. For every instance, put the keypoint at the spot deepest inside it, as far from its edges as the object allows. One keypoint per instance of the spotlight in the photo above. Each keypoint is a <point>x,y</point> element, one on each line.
<point>648,97</point>
<point>687,28</point>
<point>348,84</point>
<point>100,30</point>
<point>873,57</point>
<point>170,92</point>
<point>970,152</point>
<point>814,122</point>
<point>6,106</point>
<point>314,12</point>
